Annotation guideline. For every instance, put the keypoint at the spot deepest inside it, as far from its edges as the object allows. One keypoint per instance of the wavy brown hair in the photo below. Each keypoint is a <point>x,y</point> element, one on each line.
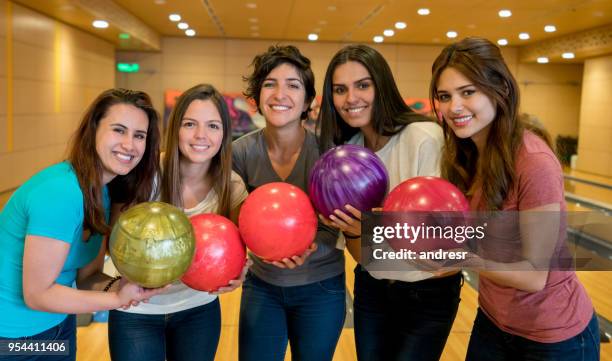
<point>390,114</point>
<point>481,61</point>
<point>134,187</point>
<point>221,164</point>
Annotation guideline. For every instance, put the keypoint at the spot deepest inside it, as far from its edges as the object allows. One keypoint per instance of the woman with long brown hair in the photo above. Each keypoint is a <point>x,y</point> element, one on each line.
<point>52,227</point>
<point>526,312</point>
<point>184,324</point>
<point>402,314</point>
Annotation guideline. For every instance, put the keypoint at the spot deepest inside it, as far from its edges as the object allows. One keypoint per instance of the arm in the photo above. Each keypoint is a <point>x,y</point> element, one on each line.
<point>43,260</point>
<point>539,240</point>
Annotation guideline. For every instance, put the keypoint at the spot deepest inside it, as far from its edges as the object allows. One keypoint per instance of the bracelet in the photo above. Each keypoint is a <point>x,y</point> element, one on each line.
<point>111,282</point>
<point>346,236</point>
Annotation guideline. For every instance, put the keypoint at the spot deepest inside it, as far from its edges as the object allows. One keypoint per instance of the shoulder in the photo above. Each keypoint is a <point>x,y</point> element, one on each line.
<point>58,179</point>
<point>417,133</point>
<point>534,154</point>
<point>248,140</point>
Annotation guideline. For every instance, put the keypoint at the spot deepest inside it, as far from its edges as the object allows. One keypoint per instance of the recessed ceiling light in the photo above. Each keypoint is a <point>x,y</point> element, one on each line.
<point>436,40</point>
<point>388,32</point>
<point>542,60</point>
<point>323,22</point>
<point>423,11</point>
<point>451,34</point>
<point>255,35</point>
<point>253,20</point>
<point>502,42</point>
<point>378,39</point>
<point>190,32</point>
<point>524,36</point>
<point>400,25</point>
<point>251,5</point>
<point>174,17</point>
<point>254,27</point>
<point>550,28</point>
<point>471,26</point>
<point>568,55</point>
<point>160,2</point>
<point>183,26</point>
<point>331,8</point>
<point>505,13</point>
<point>313,37</point>
<point>100,24</point>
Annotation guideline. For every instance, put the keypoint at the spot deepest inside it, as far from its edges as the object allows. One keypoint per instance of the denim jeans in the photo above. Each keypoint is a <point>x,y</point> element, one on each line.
<point>191,334</point>
<point>66,330</point>
<point>490,343</point>
<point>397,320</point>
<point>310,317</point>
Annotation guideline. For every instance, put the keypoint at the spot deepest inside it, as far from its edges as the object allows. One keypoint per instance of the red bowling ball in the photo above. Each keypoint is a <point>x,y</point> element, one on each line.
<point>429,194</point>
<point>432,204</point>
<point>277,221</point>
<point>219,256</point>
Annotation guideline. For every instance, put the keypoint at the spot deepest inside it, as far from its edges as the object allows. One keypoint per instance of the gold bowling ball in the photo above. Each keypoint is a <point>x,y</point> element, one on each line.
<point>152,244</point>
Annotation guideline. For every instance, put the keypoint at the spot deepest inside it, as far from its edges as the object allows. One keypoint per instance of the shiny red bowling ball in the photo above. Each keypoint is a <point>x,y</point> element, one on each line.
<point>429,204</point>
<point>428,194</point>
<point>219,253</point>
<point>277,221</point>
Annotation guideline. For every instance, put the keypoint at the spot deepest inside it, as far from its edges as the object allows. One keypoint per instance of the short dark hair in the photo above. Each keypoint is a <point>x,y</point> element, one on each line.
<point>276,55</point>
<point>390,114</point>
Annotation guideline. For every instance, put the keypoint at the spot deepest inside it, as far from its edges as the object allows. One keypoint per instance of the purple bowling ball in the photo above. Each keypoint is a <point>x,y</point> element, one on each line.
<point>347,174</point>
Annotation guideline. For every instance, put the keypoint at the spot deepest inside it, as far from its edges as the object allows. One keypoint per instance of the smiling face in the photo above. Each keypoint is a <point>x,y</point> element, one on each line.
<point>282,98</point>
<point>465,108</point>
<point>201,132</point>
<point>353,94</point>
<point>121,139</point>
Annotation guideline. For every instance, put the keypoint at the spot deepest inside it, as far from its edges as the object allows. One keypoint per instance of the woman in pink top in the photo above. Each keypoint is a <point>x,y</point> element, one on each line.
<point>525,312</point>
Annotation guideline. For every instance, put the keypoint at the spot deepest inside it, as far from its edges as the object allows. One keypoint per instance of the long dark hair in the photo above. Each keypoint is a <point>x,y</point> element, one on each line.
<point>276,55</point>
<point>390,114</point>
<point>221,164</point>
<point>481,61</point>
<point>134,187</point>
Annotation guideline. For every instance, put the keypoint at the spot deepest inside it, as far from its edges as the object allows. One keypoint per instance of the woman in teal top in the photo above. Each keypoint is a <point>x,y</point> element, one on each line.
<point>52,227</point>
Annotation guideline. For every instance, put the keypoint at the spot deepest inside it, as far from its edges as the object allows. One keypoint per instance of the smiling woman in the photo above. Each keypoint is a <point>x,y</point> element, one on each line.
<point>52,227</point>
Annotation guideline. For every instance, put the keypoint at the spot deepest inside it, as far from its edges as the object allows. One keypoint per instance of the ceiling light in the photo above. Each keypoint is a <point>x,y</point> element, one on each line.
<point>331,8</point>
<point>378,39</point>
<point>550,28</point>
<point>323,22</point>
<point>254,27</point>
<point>423,11</point>
<point>253,20</point>
<point>524,36</point>
<point>389,32</point>
<point>313,37</point>
<point>451,34</point>
<point>400,25</point>
<point>542,60</point>
<point>502,42</point>
<point>160,2</point>
<point>251,5</point>
<point>190,32</point>
<point>183,26</point>
<point>505,13</point>
<point>174,17</point>
<point>100,24</point>
<point>255,35</point>
<point>568,55</point>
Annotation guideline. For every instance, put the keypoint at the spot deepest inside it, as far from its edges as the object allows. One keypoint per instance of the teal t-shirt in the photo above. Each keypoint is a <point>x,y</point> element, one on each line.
<point>50,204</point>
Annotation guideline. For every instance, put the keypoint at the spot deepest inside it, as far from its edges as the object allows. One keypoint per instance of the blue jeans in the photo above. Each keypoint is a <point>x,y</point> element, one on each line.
<point>310,317</point>
<point>397,320</point>
<point>66,330</point>
<point>191,334</point>
<point>490,343</point>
